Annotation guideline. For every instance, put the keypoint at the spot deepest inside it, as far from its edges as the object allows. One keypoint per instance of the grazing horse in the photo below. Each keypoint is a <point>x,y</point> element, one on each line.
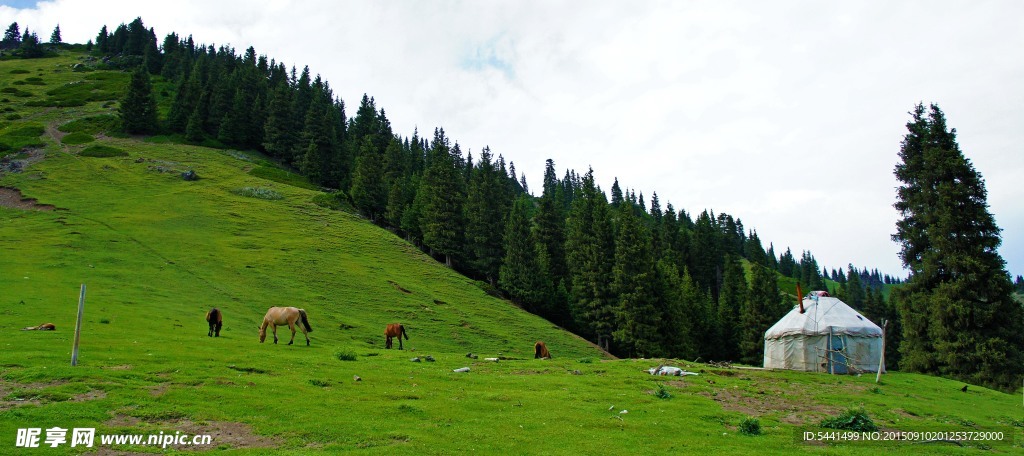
<point>280,316</point>
<point>394,330</point>
<point>541,351</point>
<point>216,319</point>
<point>42,327</point>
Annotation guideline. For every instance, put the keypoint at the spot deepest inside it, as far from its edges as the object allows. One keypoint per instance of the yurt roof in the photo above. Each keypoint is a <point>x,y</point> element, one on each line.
<point>822,316</point>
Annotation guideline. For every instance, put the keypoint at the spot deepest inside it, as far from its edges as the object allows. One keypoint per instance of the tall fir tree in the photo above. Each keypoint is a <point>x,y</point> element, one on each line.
<point>633,284</point>
<point>730,302</point>
<point>588,247</point>
<point>764,307</point>
<point>443,193</point>
<point>55,37</point>
<point>138,107</point>
<point>520,272</point>
<point>485,211</point>
<point>959,317</point>
<point>12,37</point>
<point>280,134</point>
<point>369,190</point>
<point>550,223</point>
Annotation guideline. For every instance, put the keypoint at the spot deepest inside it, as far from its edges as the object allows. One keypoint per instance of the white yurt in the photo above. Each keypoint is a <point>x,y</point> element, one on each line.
<point>823,334</point>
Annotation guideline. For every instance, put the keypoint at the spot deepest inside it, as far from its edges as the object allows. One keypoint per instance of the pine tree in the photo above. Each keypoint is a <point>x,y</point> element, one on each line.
<point>731,300</point>
<point>194,128</point>
<point>280,133</point>
<point>588,247</point>
<point>319,142</point>
<point>29,47</point>
<point>674,327</point>
<point>855,295</point>
<point>443,193</point>
<point>764,307</point>
<point>519,272</point>
<point>369,192</point>
<point>550,223</point>
<point>485,211</point>
<point>138,107</point>
<point>633,285</point>
<point>12,37</point>
<point>705,253</point>
<point>959,317</point>
<point>102,40</point>
<point>55,36</point>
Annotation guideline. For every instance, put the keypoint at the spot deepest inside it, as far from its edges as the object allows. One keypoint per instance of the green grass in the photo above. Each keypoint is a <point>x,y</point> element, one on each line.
<point>77,138</point>
<point>19,135</point>
<point>156,252</point>
<point>273,173</point>
<point>91,125</point>
<point>102,151</point>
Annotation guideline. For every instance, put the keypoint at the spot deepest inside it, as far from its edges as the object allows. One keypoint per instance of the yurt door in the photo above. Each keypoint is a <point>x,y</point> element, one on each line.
<point>836,354</point>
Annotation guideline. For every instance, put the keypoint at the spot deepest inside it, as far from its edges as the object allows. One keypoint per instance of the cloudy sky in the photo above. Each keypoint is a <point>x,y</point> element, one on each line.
<point>786,115</point>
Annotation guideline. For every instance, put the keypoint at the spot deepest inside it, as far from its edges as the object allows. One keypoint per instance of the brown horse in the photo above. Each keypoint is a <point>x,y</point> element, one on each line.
<point>216,319</point>
<point>395,330</point>
<point>42,327</point>
<point>541,351</point>
<point>280,316</point>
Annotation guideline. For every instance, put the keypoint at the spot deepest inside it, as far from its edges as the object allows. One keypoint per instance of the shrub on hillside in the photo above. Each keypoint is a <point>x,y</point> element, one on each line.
<point>851,420</point>
<point>77,138</point>
<point>345,356</point>
<point>750,426</point>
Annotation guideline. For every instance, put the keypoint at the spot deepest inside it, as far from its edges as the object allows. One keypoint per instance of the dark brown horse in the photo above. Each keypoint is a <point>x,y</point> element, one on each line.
<point>394,330</point>
<point>216,319</point>
<point>280,316</point>
<point>541,351</point>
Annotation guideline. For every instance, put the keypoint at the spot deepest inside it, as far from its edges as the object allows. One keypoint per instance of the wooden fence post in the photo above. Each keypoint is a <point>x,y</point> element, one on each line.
<point>78,326</point>
<point>881,359</point>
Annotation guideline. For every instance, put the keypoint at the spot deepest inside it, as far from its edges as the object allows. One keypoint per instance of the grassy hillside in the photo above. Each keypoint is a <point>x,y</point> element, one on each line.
<point>156,252</point>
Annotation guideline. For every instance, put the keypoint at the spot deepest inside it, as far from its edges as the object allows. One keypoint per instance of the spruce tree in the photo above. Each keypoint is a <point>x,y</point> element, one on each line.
<point>485,211</point>
<point>520,272</point>
<point>550,223</point>
<point>55,36</point>
<point>319,141</point>
<point>633,285</point>
<point>959,317</point>
<point>12,37</point>
<point>443,193</point>
<point>194,128</point>
<point>369,192</point>
<point>138,107</point>
<point>674,327</point>
<point>764,307</point>
<point>855,295</point>
<point>730,302</point>
<point>280,133</point>
<point>589,246</point>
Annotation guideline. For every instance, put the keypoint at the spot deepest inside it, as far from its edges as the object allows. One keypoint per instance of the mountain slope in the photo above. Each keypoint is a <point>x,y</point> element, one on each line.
<point>157,251</point>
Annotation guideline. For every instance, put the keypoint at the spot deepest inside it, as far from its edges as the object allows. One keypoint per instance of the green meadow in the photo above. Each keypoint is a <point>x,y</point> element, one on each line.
<point>156,252</point>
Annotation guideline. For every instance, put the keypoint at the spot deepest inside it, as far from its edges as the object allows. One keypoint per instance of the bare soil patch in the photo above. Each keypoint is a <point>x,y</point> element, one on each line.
<point>766,398</point>
<point>12,197</point>
<point>224,434</point>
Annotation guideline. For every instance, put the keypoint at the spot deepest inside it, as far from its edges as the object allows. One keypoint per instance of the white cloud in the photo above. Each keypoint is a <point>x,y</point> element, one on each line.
<point>788,115</point>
